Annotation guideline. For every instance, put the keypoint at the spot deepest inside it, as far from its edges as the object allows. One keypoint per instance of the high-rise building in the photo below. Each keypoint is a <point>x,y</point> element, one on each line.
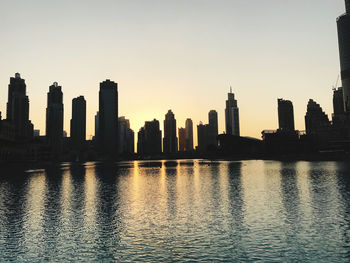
<point>97,117</point>
<point>54,117</point>
<point>202,136</point>
<point>232,115</point>
<point>150,139</point>
<point>213,129</point>
<point>338,103</point>
<point>316,121</point>
<point>182,139</point>
<point>343,24</point>
<point>285,115</point>
<point>125,136</point>
<point>170,139</point>
<point>78,123</point>
<point>108,118</point>
<point>189,135</point>
<point>18,108</point>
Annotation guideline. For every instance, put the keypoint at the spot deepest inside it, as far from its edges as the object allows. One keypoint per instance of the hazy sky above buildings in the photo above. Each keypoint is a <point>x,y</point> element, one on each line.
<point>174,54</point>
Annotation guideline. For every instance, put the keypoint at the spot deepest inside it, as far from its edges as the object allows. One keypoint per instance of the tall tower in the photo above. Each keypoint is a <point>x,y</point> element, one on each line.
<point>189,135</point>
<point>54,117</point>
<point>285,115</point>
<point>232,115</point>
<point>213,128</point>
<point>108,118</point>
<point>78,123</point>
<point>170,139</point>
<point>18,108</point>
<point>343,24</point>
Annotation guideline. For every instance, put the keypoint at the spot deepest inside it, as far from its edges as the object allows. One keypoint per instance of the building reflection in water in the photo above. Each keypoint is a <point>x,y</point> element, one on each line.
<point>176,211</point>
<point>343,180</point>
<point>12,214</point>
<point>108,216</point>
<point>52,211</point>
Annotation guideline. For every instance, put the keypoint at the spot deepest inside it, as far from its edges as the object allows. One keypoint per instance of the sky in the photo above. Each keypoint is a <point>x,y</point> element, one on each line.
<point>181,55</point>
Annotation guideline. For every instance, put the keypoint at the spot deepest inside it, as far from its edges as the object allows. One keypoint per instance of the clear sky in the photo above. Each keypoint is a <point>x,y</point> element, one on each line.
<point>174,54</point>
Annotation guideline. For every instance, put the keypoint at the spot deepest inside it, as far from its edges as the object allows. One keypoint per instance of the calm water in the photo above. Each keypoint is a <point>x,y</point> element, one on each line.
<point>187,211</point>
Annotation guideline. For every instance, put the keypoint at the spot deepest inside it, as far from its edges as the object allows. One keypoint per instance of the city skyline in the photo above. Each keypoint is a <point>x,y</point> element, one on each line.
<point>212,86</point>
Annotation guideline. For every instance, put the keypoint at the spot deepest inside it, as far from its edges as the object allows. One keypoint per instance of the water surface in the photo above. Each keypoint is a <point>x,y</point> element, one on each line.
<point>183,211</point>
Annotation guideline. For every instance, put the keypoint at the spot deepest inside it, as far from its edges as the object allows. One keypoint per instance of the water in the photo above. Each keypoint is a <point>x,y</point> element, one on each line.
<point>184,211</point>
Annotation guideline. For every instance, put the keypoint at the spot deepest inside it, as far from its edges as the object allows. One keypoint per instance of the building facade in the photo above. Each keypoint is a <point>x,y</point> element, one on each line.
<point>343,25</point>
<point>189,135</point>
<point>78,124</point>
<point>182,139</point>
<point>202,137</point>
<point>54,118</point>
<point>232,115</point>
<point>285,115</point>
<point>170,139</point>
<point>213,129</point>
<point>149,139</point>
<point>18,108</point>
<point>108,118</point>
<point>316,121</point>
<point>125,136</point>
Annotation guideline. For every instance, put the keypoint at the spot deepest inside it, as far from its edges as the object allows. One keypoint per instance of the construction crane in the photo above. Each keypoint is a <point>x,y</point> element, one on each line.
<point>336,83</point>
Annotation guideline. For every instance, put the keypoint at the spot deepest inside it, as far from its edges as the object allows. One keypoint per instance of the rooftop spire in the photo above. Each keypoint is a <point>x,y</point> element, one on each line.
<point>230,89</point>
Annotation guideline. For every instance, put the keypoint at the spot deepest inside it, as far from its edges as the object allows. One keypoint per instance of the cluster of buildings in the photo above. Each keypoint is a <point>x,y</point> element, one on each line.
<point>114,138</point>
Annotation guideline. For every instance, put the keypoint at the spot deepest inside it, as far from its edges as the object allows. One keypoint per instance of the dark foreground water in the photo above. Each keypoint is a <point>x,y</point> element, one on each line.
<point>185,211</point>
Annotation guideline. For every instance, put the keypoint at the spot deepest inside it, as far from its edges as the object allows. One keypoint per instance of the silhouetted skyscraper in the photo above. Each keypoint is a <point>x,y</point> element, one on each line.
<point>150,139</point>
<point>285,115</point>
<point>78,123</point>
<point>343,24</point>
<point>125,137</point>
<point>232,115</point>
<point>108,118</point>
<point>182,139</point>
<point>18,108</point>
<point>338,103</point>
<point>213,128</point>
<point>316,121</point>
<point>97,117</point>
<point>54,118</point>
<point>170,139</point>
<point>189,135</point>
<point>202,136</point>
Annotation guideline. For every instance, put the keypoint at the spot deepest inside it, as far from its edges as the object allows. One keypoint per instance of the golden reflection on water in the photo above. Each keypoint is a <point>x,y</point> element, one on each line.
<point>90,187</point>
<point>34,212</point>
<point>161,207</point>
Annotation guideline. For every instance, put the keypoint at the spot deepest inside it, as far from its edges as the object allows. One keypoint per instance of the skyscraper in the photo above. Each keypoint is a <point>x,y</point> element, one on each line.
<point>54,117</point>
<point>125,136</point>
<point>343,24</point>
<point>97,118</point>
<point>170,139</point>
<point>78,123</point>
<point>150,139</point>
<point>316,121</point>
<point>285,115</point>
<point>108,118</point>
<point>18,108</point>
<point>182,139</point>
<point>232,115</point>
<point>338,103</point>
<point>202,136</point>
<point>213,128</point>
<point>189,135</point>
